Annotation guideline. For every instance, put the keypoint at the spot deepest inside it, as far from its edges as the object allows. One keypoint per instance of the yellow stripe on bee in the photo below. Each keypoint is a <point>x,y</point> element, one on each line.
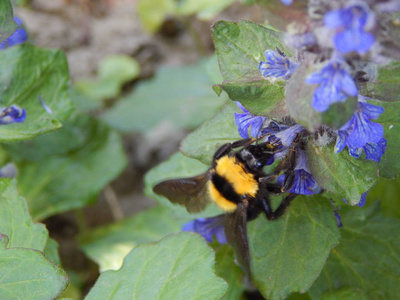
<point>233,171</point>
<point>221,201</point>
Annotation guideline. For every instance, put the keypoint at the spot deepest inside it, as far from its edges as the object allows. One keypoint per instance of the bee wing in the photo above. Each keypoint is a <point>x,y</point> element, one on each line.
<point>191,192</point>
<point>236,234</point>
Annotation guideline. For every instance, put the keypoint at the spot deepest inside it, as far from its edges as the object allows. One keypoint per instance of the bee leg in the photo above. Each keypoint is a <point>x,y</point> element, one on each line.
<point>275,214</point>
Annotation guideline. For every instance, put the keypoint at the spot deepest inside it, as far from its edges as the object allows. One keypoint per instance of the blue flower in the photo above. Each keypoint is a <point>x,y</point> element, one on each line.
<point>350,25</point>
<point>361,134</point>
<point>18,37</point>
<point>335,85</point>
<point>12,114</point>
<point>287,2</point>
<point>247,119</point>
<point>338,218</point>
<point>208,227</point>
<point>304,183</point>
<point>276,66</point>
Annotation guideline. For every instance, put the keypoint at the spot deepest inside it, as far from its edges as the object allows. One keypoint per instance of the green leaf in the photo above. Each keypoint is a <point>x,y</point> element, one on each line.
<point>114,71</point>
<point>180,96</point>
<point>180,266</point>
<point>205,140</point>
<point>258,95</point>
<point>153,13</point>
<point>387,191</point>
<point>7,24</point>
<point>51,252</point>
<point>287,255</point>
<point>229,271</point>
<point>345,293</point>
<point>177,166</point>
<point>205,9</point>
<point>367,258</point>
<point>27,274</point>
<point>341,174</point>
<point>67,169</point>
<point>236,55</point>
<point>15,221</point>
<point>108,245</point>
<point>387,85</point>
<point>390,120</point>
<point>27,73</point>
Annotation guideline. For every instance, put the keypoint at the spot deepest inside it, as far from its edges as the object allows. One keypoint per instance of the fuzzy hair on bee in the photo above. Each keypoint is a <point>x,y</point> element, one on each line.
<point>237,184</point>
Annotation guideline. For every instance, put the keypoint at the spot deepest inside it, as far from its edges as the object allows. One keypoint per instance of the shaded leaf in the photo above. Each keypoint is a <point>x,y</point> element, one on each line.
<point>27,274</point>
<point>51,251</point>
<point>390,119</point>
<point>287,255</point>
<point>108,245</point>
<point>341,174</point>
<point>59,173</point>
<point>113,72</point>
<point>181,96</point>
<point>164,270</point>
<point>386,87</point>
<point>229,271</point>
<point>367,258</point>
<point>27,73</point>
<point>153,13</point>
<point>205,10</point>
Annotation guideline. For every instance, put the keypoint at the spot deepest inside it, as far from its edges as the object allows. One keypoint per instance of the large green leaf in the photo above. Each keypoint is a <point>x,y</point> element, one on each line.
<point>205,140</point>
<point>7,24</point>
<point>15,221</point>
<point>241,46</point>
<point>108,245</point>
<point>180,96</point>
<point>367,259</point>
<point>388,192</point>
<point>27,274</point>
<point>180,266</point>
<point>287,255</point>
<point>177,166</point>
<point>341,174</point>
<point>27,73</point>
<point>55,176</point>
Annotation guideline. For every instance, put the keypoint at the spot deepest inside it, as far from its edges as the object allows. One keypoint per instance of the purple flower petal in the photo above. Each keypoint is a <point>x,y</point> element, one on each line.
<point>12,114</point>
<point>207,228</point>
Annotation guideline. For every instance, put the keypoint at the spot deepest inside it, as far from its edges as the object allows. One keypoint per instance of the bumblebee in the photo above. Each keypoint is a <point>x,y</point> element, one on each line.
<point>237,184</point>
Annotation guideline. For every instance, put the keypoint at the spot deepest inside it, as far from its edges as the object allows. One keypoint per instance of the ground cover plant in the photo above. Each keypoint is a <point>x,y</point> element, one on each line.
<point>320,79</point>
